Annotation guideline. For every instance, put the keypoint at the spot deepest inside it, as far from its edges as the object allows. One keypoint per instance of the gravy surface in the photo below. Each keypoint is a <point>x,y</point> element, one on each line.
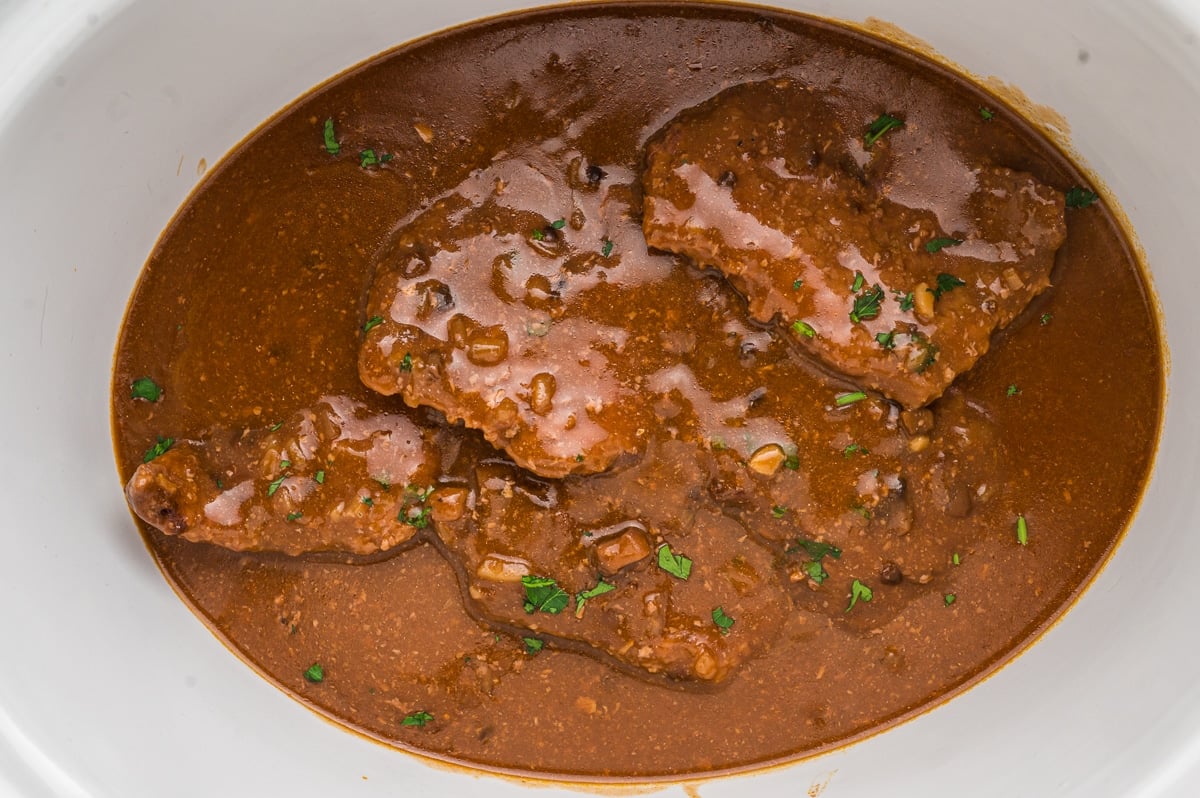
<point>251,310</point>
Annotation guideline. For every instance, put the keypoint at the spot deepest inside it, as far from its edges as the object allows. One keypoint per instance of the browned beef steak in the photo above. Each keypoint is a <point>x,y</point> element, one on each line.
<point>336,478</point>
<point>893,261</point>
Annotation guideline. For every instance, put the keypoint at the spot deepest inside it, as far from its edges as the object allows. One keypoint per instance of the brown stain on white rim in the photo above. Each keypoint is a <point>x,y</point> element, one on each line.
<point>1053,126</point>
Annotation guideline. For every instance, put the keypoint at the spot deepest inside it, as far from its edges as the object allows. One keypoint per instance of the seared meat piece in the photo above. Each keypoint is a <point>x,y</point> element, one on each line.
<point>496,307</point>
<point>891,265</point>
<point>333,479</point>
<point>526,539</point>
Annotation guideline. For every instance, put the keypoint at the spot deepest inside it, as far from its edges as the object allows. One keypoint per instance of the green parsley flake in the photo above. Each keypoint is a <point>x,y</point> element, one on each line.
<point>857,285</point>
<point>1078,197</point>
<point>417,520</point>
<point>367,500</point>
<point>537,235</point>
<point>845,399</point>
<point>792,463</point>
<point>955,559</point>
<point>145,388</point>
<point>158,449</point>
<point>938,244</point>
<point>315,673</point>
<point>723,621</point>
<point>887,340</point>
<point>532,645</point>
<point>867,304</point>
<point>1012,390</point>
<point>1046,318</point>
<point>406,362</point>
<point>816,549</point>
<point>946,283</point>
<point>559,224</point>
<point>331,143</point>
<point>862,510</point>
<point>581,599</point>
<point>906,302</point>
<point>816,571</point>
<point>295,515</point>
<point>274,486</point>
<point>779,511</point>
<point>372,323</point>
<point>987,114</point>
<point>803,328</point>
<point>607,249</point>
<point>284,465</point>
<point>859,591</point>
<point>855,448</point>
<point>417,719</point>
<point>543,594</point>
<point>675,564</point>
<point>796,284</point>
<point>319,477</point>
<point>367,158</point>
<point>1022,531</point>
<point>883,124</point>
<point>949,598</point>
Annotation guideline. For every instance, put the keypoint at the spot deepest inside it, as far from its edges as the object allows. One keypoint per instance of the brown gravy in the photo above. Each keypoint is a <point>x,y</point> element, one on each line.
<point>251,307</point>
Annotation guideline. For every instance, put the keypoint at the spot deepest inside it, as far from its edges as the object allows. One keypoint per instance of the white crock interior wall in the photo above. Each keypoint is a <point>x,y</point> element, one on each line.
<point>110,687</point>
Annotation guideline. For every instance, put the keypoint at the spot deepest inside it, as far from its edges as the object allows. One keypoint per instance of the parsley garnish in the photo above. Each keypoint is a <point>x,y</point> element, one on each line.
<point>938,244</point>
<point>887,340</point>
<point>406,362</point>
<point>955,559</point>
<point>845,399</point>
<point>857,285</point>
<point>723,621</point>
<point>779,511</point>
<point>538,235</point>
<point>1046,318</point>
<point>906,302</point>
<point>417,719</point>
<point>543,593</point>
<point>367,500</point>
<point>796,284</point>
<point>879,127</point>
<point>274,486</point>
<point>284,465</point>
<point>145,388</point>
<point>1012,390</point>
<point>559,224</point>
<point>275,427</point>
<point>853,449</point>
<point>1022,531</point>
<point>987,114</point>
<point>792,463</point>
<point>945,283</point>
<point>803,328</point>
<point>319,477</point>
<point>816,571</point>
<point>372,323</point>
<point>158,449</point>
<point>867,304</point>
<point>675,564</point>
<point>532,645</point>
<point>949,598</point>
<point>331,143</point>
<point>1078,197</point>
<point>581,599</point>
<point>859,591</point>
<point>816,549</point>
<point>295,515</point>
<point>369,158</point>
<point>607,249</point>
<point>418,521</point>
<point>315,673</point>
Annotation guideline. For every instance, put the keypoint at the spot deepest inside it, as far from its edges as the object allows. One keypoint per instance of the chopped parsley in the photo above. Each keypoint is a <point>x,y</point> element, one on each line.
<point>845,399</point>
<point>906,301</point>
<point>887,340</point>
<point>1022,530</point>
<point>315,673</point>
<point>987,114</point>
<point>559,224</point>
<point>537,235</point>
<point>816,549</point>
<point>275,427</point>
<point>417,719</point>
<point>284,465</point>
<point>295,515</point>
<point>816,571</point>
<point>803,328</point>
<point>607,249</point>
<point>369,158</point>
<point>857,285</point>
<point>417,520</point>
<point>938,244</point>
<point>158,449</point>
<point>543,594</point>
<point>955,559</point>
<point>274,486</point>
<point>406,362</point>
<point>859,591</point>
<point>883,124</point>
<point>946,283</point>
<point>862,510</point>
<point>532,645</point>
<point>1078,197</point>
<point>319,477</point>
<point>949,598</point>
<point>145,388</point>
<point>867,304</point>
<point>779,511</point>
<point>723,621</point>
<point>1012,390</point>
<point>386,484</point>
<point>372,323</point>
<point>331,143</point>
<point>792,463</point>
<point>581,599</point>
<point>796,284</point>
<point>675,564</point>
<point>1046,318</point>
<point>853,449</point>
<point>367,500</point>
